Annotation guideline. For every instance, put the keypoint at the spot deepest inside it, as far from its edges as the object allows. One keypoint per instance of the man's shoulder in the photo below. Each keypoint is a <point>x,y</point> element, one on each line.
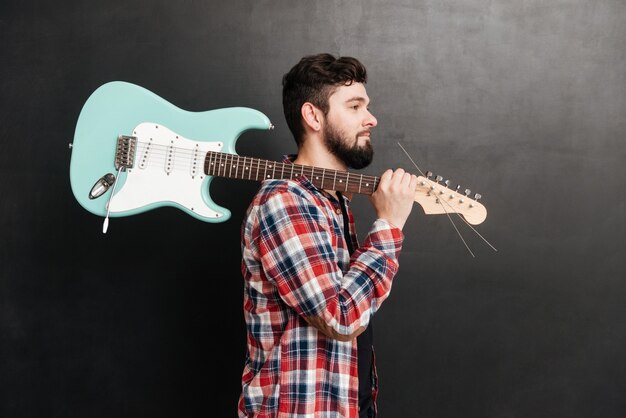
<point>282,187</point>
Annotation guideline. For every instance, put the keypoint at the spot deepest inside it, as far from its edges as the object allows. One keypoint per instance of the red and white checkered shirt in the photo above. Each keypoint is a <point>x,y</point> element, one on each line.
<point>296,264</point>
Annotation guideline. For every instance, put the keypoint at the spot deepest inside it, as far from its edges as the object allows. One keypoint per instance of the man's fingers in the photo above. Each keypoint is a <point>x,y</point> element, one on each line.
<point>386,175</point>
<point>406,179</point>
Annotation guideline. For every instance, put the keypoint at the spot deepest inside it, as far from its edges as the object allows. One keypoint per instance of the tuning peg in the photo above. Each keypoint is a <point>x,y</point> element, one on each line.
<point>456,189</point>
<point>438,179</point>
<point>467,192</point>
<point>447,182</point>
<point>429,174</point>
<point>476,196</point>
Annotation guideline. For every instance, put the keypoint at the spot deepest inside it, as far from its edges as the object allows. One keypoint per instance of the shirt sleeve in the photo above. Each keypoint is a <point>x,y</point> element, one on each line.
<point>297,250</point>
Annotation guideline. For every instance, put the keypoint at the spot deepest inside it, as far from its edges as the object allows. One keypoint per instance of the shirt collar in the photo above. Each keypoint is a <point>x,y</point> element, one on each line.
<point>303,180</point>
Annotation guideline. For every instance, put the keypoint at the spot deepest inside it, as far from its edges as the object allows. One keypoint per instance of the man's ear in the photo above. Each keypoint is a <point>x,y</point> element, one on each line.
<point>312,116</point>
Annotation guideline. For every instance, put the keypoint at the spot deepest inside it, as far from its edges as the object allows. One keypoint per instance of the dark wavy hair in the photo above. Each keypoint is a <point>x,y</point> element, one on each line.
<point>314,79</point>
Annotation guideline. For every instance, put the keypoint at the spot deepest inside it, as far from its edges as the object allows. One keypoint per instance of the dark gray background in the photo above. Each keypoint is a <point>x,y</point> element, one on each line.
<point>522,101</point>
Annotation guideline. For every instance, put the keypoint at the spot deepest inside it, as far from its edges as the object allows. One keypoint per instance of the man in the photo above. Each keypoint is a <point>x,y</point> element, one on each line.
<point>310,289</point>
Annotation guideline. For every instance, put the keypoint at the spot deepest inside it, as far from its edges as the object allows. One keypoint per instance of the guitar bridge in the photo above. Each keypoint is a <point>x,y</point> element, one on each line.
<point>125,152</point>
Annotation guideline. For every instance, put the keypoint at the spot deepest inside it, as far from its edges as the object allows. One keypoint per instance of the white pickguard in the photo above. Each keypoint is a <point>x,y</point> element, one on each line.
<point>167,168</point>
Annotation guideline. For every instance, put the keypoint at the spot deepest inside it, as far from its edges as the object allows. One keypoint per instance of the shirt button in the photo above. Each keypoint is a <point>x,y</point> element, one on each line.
<point>338,211</point>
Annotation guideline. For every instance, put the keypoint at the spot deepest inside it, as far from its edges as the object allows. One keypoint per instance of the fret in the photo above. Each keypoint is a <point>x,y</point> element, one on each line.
<point>230,168</point>
<point>374,183</point>
<point>222,164</point>
<point>256,178</point>
<point>207,163</point>
<point>264,171</point>
<point>254,162</point>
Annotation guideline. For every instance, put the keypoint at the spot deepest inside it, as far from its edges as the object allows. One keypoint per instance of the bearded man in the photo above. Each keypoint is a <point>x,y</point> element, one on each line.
<point>310,288</point>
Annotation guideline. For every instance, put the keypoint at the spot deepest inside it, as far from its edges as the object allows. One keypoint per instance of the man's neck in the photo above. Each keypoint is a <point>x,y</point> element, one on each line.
<point>313,153</point>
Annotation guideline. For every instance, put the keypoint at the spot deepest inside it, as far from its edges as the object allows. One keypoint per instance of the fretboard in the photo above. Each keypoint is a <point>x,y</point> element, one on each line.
<point>248,168</point>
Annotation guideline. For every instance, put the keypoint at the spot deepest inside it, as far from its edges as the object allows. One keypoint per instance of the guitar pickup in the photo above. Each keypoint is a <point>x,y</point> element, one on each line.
<point>125,151</point>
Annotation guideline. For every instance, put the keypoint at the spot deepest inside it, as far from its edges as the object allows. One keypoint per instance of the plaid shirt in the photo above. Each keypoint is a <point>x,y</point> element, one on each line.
<point>296,264</point>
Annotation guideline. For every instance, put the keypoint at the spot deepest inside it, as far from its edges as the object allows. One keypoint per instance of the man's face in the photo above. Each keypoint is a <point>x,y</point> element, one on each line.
<point>348,124</point>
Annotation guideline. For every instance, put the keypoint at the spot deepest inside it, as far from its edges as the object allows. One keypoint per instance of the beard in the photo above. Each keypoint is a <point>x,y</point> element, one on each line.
<point>347,149</point>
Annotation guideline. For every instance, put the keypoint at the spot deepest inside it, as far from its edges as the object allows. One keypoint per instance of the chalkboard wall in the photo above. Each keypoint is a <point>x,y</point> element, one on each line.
<point>521,101</point>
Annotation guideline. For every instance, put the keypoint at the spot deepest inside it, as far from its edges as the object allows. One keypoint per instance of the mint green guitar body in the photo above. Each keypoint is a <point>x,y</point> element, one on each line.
<point>166,167</point>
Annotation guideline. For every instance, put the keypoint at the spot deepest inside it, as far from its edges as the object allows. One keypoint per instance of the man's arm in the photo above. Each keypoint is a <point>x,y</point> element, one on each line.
<point>297,253</point>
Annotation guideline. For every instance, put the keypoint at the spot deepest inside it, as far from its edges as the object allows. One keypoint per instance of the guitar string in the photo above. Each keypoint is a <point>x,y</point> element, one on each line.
<point>257,164</point>
<point>441,201</point>
<point>256,167</point>
<point>469,225</point>
<point>458,232</point>
<point>159,153</point>
<point>180,161</point>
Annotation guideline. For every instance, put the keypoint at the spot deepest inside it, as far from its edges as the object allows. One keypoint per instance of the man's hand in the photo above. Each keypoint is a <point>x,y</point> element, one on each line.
<point>394,197</point>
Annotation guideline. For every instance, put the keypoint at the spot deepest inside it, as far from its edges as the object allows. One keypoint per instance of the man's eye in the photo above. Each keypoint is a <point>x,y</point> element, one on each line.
<point>355,107</point>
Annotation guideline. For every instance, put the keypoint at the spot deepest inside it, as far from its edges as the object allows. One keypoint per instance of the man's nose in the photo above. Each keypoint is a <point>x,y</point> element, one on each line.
<point>370,120</point>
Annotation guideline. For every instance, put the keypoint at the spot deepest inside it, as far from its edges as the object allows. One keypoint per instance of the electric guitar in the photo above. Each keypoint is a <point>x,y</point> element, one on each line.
<point>133,151</point>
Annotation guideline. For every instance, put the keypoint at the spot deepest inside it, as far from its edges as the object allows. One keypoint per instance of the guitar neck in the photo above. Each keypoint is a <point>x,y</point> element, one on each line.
<point>248,168</point>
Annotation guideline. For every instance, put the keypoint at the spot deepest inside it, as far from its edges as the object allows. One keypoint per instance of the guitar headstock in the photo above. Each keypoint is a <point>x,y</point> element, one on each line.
<point>438,198</point>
